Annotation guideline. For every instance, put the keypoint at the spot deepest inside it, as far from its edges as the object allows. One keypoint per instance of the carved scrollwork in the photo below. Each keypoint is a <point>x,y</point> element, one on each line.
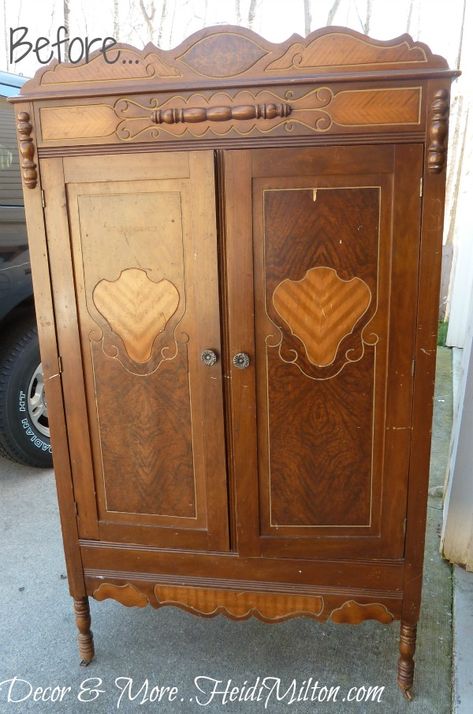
<point>133,113</point>
<point>27,150</point>
<point>438,131</point>
<point>353,613</point>
<point>318,110</point>
<point>128,594</point>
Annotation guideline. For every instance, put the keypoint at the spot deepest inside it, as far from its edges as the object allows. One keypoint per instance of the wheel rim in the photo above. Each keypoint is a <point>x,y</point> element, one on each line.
<point>37,406</point>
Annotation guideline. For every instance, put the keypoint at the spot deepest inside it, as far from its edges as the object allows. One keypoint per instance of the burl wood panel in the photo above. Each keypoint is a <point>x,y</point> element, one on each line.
<point>141,398</point>
<point>324,255</point>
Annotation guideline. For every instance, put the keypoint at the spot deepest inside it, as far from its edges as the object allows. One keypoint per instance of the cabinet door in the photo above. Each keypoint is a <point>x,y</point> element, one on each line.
<point>322,250</point>
<point>132,242</point>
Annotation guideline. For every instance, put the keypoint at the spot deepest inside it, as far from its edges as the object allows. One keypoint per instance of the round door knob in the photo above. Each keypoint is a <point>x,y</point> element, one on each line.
<point>241,360</point>
<point>209,357</point>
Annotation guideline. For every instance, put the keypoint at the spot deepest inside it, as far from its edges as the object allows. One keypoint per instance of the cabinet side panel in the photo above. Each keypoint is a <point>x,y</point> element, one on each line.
<point>46,322</point>
<point>426,341</point>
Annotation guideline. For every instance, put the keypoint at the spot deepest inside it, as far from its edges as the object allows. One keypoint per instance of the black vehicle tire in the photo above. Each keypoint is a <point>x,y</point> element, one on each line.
<point>20,439</point>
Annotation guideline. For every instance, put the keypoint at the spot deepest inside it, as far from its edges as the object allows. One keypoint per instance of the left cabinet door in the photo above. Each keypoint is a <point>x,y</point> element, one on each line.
<point>133,252</point>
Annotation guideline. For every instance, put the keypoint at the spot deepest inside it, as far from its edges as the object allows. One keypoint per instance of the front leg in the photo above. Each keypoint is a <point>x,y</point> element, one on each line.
<point>85,637</point>
<point>405,667</point>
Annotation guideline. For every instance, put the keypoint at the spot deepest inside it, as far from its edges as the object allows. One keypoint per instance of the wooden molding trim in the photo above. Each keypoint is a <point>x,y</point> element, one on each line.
<point>248,585</point>
<point>397,137</point>
<point>438,131</point>
<point>222,53</point>
<point>27,150</point>
<point>127,595</point>
<point>353,613</point>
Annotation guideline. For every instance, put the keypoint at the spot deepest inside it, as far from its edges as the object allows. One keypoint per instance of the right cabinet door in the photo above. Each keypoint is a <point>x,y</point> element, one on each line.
<point>322,252</point>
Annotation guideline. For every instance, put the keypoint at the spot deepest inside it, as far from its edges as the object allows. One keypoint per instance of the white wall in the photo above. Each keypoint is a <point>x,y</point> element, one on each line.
<point>457,532</point>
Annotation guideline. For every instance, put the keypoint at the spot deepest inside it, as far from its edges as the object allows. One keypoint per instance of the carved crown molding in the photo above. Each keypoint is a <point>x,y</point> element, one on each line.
<point>230,54</point>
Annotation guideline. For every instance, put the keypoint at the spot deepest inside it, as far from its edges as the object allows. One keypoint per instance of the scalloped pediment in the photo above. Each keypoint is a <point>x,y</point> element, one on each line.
<point>234,53</point>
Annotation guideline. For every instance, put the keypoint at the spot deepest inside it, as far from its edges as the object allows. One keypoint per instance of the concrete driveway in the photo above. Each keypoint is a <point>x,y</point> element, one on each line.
<point>170,648</point>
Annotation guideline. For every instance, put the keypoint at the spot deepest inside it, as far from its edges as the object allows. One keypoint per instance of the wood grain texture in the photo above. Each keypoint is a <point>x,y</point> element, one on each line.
<point>353,613</point>
<point>316,469</point>
<point>303,253</point>
<point>346,49</point>
<point>127,595</point>
<point>239,605</point>
<point>321,309</point>
<point>137,309</point>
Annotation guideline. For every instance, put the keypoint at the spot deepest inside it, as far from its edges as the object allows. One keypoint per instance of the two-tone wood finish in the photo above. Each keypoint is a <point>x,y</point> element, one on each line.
<point>279,203</point>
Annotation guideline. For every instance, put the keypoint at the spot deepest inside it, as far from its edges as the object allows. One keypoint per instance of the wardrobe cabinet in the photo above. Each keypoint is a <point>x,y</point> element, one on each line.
<point>236,253</point>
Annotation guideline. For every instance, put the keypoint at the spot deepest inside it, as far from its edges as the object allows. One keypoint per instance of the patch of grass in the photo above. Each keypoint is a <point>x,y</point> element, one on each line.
<point>442,333</point>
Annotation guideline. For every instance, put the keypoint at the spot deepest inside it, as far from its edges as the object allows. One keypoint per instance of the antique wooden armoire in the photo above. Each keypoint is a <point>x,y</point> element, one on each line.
<point>236,253</point>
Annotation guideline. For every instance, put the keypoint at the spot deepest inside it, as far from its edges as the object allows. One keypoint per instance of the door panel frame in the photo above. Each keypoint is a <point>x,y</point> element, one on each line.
<point>403,162</point>
<point>197,168</point>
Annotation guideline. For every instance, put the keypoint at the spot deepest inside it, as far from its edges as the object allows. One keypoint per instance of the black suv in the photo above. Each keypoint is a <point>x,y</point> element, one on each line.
<point>24,429</point>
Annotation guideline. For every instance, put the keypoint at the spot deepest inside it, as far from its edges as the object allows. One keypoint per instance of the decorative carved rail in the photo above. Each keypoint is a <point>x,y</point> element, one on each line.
<point>194,115</point>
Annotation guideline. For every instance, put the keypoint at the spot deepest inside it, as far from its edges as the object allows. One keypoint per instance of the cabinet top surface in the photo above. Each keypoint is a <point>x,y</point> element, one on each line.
<point>230,56</point>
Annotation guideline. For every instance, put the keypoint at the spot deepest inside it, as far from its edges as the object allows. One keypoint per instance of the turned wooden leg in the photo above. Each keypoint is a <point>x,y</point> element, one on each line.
<point>85,637</point>
<point>405,666</point>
